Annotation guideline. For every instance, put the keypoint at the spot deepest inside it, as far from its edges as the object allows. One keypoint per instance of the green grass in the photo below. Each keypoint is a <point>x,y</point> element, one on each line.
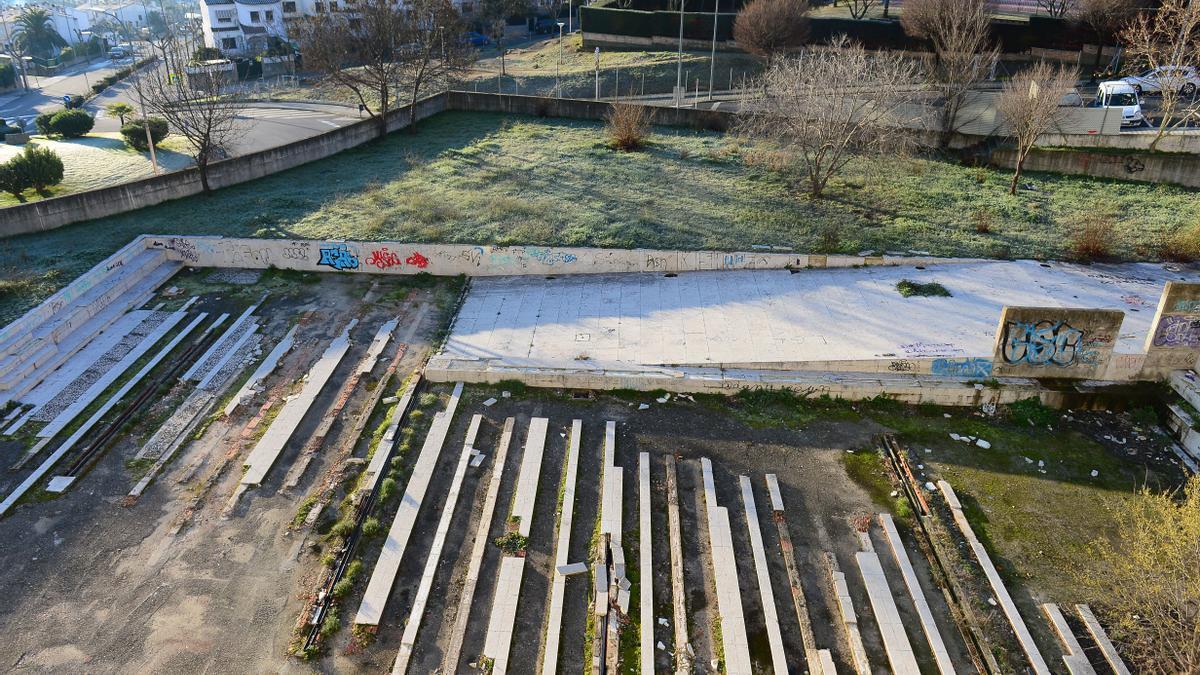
<point>1036,525</point>
<point>488,178</point>
<point>867,468</point>
<point>909,289</point>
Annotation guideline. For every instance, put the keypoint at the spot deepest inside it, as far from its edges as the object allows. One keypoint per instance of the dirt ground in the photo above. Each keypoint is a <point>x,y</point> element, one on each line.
<point>821,500</point>
<point>94,586</point>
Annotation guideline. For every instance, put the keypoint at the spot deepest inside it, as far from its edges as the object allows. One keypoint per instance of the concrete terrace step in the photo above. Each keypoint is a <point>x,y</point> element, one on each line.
<point>55,341</point>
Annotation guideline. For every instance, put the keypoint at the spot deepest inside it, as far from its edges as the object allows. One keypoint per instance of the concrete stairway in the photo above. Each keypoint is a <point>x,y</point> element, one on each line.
<point>42,340</point>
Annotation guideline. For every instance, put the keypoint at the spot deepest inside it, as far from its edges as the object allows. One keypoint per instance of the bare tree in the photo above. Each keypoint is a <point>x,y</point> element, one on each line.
<point>389,51</point>
<point>963,53</point>
<point>825,107</point>
<point>203,105</point>
<point>860,8</point>
<point>768,28</point>
<point>1030,106</point>
<point>494,14</point>
<point>1167,40</point>
<point>1058,9</point>
<point>1145,581</point>
<point>1106,18</point>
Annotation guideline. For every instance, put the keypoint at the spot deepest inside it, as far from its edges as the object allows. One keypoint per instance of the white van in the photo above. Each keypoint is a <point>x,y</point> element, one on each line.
<point>1120,95</point>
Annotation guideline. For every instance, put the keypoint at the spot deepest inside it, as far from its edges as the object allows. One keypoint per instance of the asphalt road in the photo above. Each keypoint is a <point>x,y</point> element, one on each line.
<point>45,93</point>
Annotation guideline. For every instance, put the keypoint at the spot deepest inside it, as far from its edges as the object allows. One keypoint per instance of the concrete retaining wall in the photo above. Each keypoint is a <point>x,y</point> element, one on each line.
<point>1055,342</point>
<point>394,257</point>
<point>52,213</point>
<point>1177,169</point>
<point>1174,337</point>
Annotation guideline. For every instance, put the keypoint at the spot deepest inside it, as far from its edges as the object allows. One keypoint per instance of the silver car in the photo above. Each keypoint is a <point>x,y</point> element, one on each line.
<point>1184,79</point>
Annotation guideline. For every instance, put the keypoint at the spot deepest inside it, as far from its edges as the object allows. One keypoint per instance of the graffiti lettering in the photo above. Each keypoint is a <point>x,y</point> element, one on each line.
<point>655,262</point>
<point>1192,306</point>
<point>185,248</point>
<point>549,257</point>
<point>245,255</point>
<point>112,266</point>
<point>417,260</point>
<point>902,366</point>
<point>338,257</point>
<point>473,256</point>
<point>1047,343</point>
<point>733,260</point>
<point>920,350</point>
<point>1178,331</point>
<point>295,253</point>
<point>970,367</point>
<point>383,259</point>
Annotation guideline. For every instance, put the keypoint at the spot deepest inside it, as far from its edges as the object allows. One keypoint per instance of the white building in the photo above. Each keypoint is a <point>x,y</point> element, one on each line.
<point>242,27</point>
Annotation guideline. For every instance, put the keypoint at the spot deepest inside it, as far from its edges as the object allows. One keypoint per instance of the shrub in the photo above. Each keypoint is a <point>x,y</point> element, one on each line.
<point>1183,245</point>
<point>513,543</point>
<point>42,122</point>
<point>1093,238</point>
<point>75,102</point>
<point>332,622</point>
<point>372,528</point>
<point>119,110</point>
<point>628,126</point>
<point>984,220</point>
<point>353,571</point>
<point>387,489</point>
<point>342,528</point>
<point>932,289</point>
<point>72,123</point>
<point>134,133</point>
<point>43,166</point>
<point>66,54</point>
<point>13,179</point>
<point>342,588</point>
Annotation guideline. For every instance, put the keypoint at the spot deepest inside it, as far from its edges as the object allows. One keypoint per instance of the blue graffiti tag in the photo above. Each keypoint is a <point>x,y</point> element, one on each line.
<point>972,367</point>
<point>338,257</point>
<point>1046,343</point>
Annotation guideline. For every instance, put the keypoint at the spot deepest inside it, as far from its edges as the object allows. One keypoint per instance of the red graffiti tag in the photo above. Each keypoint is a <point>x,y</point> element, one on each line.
<point>383,259</point>
<point>418,260</point>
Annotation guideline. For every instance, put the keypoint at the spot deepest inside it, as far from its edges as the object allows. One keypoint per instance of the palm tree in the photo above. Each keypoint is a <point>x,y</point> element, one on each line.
<point>35,34</point>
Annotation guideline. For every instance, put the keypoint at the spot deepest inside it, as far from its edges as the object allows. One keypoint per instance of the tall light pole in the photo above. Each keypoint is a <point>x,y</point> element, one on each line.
<point>558,66</point>
<point>597,73</point>
<point>679,61</point>
<point>712,59</point>
<point>570,17</point>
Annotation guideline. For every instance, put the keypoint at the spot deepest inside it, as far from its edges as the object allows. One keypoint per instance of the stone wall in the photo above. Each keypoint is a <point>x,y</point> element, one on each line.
<point>1055,342</point>
<point>394,257</point>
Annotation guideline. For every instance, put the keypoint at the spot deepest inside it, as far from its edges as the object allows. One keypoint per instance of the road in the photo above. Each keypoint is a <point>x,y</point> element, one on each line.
<point>46,93</point>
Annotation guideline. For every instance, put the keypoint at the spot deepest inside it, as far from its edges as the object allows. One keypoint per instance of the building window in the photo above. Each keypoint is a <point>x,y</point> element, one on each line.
<point>228,43</point>
<point>289,7</point>
<point>225,16</point>
<point>253,17</point>
<point>270,15</point>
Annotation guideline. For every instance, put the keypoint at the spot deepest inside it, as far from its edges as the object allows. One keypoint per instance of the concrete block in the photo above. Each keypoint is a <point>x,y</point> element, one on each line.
<point>887,617</point>
<point>1100,636</point>
<point>1055,342</point>
<point>572,569</point>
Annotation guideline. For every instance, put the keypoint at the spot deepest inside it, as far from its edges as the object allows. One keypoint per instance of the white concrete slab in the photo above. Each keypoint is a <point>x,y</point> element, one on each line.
<point>266,451</point>
<point>381,339</point>
<point>887,616</point>
<point>928,625</point>
<point>409,639</point>
<point>525,496</point>
<point>858,652</point>
<point>765,592</point>
<point>620,321</point>
<point>231,350</point>
<point>190,373</point>
<point>379,588</point>
<point>1024,637</point>
<point>1101,638</point>
<point>264,369</point>
<point>87,425</point>
<point>776,495</point>
<point>222,347</point>
<point>498,642</point>
<point>378,464</point>
<point>645,565</point>
<point>562,569</point>
<point>467,599</point>
<point>1074,657</point>
<point>734,641</point>
<point>99,386</point>
<point>611,478</point>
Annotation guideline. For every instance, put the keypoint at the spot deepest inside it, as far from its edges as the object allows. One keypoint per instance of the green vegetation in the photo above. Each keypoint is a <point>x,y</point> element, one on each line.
<point>306,507</point>
<point>488,178</point>
<point>932,289</point>
<point>868,469</point>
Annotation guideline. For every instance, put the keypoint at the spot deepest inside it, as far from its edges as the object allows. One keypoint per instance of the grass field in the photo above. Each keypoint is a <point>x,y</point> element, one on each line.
<point>487,178</point>
<point>98,160</point>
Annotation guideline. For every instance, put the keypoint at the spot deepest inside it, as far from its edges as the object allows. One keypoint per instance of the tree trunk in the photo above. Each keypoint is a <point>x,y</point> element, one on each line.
<point>383,111</point>
<point>202,165</point>
<point>1012,186</point>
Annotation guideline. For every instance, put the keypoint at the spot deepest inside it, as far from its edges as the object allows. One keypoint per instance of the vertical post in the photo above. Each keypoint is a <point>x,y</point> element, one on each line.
<point>571,18</point>
<point>597,73</point>
<point>558,66</point>
<point>617,86</point>
<point>679,62</point>
<point>712,59</point>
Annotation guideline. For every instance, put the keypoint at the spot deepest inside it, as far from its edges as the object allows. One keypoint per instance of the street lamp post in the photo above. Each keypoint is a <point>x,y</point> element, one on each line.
<point>597,73</point>
<point>570,17</point>
<point>712,59</point>
<point>679,61</point>
<point>558,66</point>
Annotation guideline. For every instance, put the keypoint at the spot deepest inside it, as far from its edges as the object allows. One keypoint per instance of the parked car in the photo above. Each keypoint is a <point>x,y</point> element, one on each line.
<point>545,26</point>
<point>1118,94</point>
<point>477,39</point>
<point>1152,81</point>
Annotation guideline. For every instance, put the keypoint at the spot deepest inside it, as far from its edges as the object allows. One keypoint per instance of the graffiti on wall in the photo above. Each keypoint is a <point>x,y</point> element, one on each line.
<point>417,260</point>
<point>1187,306</point>
<point>550,257</point>
<point>1178,331</point>
<point>184,247</point>
<point>1048,343</point>
<point>967,367</point>
<point>339,257</point>
<point>384,259</point>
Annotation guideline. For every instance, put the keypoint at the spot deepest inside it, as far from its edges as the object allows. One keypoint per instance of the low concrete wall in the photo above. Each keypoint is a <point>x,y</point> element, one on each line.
<point>394,257</point>
<point>1055,342</point>
<point>52,213</point>
<point>714,120</point>
<point>1177,169</point>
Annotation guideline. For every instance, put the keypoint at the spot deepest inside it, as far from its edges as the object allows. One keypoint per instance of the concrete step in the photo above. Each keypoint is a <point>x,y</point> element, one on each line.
<point>1186,383</point>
